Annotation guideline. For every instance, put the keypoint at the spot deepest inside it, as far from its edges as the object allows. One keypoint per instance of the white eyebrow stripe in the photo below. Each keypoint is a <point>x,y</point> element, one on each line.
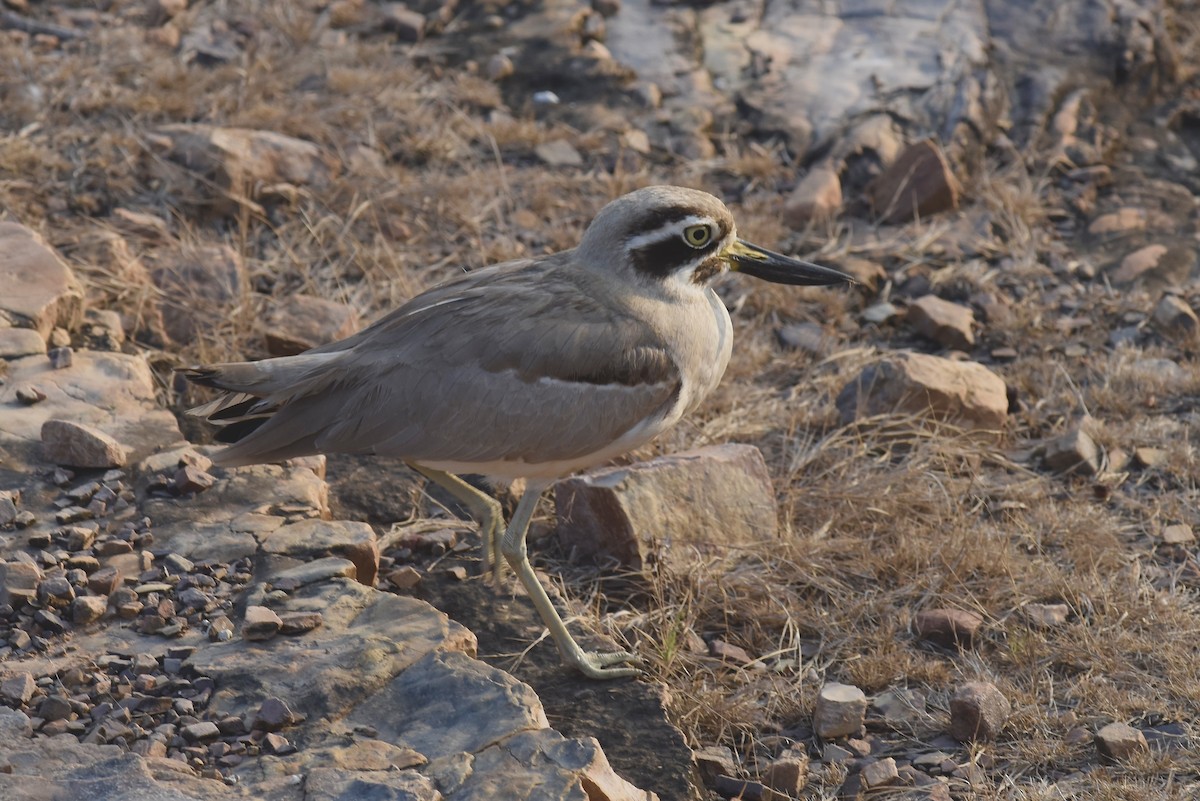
<point>670,230</point>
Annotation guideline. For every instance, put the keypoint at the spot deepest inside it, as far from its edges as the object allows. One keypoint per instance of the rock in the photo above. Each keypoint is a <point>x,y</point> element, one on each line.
<point>244,161</point>
<point>110,392</point>
<point>667,509</point>
<point>712,761</point>
<point>728,652</point>
<point>300,322</point>
<point>1178,534</point>
<point>1174,318</point>
<point>260,623</point>
<point>948,628</point>
<point>1118,742</point>
<point>817,198</point>
<point>741,789</point>
<point>880,773</point>
<point>18,688</point>
<point>317,538</point>
<point>1073,452</point>
<point>274,714</point>
<point>18,583</point>
<point>948,324</point>
<point>1146,458</point>
<point>919,183</point>
<point>1122,221</point>
<point>559,153</point>
<point>978,712</point>
<point>901,707</point>
<point>54,707</point>
<point>966,393</point>
<point>405,577</point>
<point>192,282</point>
<point>406,24</point>
<point>880,313</point>
<point>299,622</point>
<point>499,67</point>
<point>314,572</point>
<point>330,784</point>
<point>1046,616</point>
<point>105,580</point>
<point>376,755</point>
<point>40,291</point>
<point>839,711</point>
<point>88,609</point>
<point>1137,263</point>
<point>61,358</point>
<point>18,342</point>
<point>788,774</point>
<point>200,732</point>
<point>77,445</point>
<point>808,337</point>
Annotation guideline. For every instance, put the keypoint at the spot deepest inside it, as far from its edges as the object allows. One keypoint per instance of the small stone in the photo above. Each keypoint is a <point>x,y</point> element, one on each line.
<point>807,337</point>
<point>880,313</point>
<point>104,580</point>
<point>499,67</point>
<point>1046,616</point>
<point>978,712</point>
<point>817,198</point>
<point>1073,452</point>
<point>948,627</point>
<point>1149,457</point>
<point>18,582</point>
<point>55,591</point>
<point>77,445</point>
<point>80,538</point>
<point>917,184</point>
<point>61,358</point>
<point>54,707</point>
<point>178,564</point>
<point>278,745</point>
<point>1140,261</point>
<point>741,789</point>
<point>190,479</point>
<point>408,25</point>
<point>833,754</point>
<point>788,774</point>
<point>404,578</point>
<point>948,324</point>
<point>712,761</point>
<point>274,714</point>
<point>88,609</point>
<point>1174,318</point>
<point>559,153</point>
<point>730,653</point>
<point>1178,534</point>
<point>300,322</point>
<point>915,383</point>
<point>1118,742</point>
<point>220,629</point>
<point>880,773</point>
<point>200,732</point>
<point>18,688</point>
<point>840,710</point>
<point>1124,220</point>
<point>29,395</point>
<point>299,622</point>
<point>260,623</point>
<point>16,343</point>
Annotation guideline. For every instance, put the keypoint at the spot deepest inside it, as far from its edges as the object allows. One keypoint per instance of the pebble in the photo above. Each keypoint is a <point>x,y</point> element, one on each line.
<point>274,714</point>
<point>948,324</point>
<point>948,627</point>
<point>260,623</point>
<point>880,773</point>
<point>978,712</point>
<point>1073,452</point>
<point>1117,742</point>
<point>78,445</point>
<point>839,711</point>
<point>88,609</point>
<point>201,732</point>
<point>61,358</point>
<point>713,761</point>
<point>788,774</point>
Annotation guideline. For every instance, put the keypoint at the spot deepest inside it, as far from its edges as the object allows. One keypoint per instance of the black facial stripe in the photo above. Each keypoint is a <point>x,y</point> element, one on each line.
<point>660,218</point>
<point>660,259</point>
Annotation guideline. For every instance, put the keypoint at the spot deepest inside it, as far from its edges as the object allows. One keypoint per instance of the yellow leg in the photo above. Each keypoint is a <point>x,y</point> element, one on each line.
<point>591,664</point>
<point>486,510</point>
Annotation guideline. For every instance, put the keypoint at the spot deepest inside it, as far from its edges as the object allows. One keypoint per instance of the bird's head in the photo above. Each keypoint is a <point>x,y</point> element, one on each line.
<point>686,237</point>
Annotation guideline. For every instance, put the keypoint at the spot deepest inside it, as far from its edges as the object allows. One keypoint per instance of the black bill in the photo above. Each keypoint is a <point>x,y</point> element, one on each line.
<point>780,269</point>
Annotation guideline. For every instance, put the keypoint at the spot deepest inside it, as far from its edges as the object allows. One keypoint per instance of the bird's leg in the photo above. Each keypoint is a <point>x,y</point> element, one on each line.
<point>486,510</point>
<point>591,664</point>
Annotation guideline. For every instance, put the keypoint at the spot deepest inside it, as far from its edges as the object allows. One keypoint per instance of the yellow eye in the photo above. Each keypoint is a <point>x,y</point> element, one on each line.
<point>697,235</point>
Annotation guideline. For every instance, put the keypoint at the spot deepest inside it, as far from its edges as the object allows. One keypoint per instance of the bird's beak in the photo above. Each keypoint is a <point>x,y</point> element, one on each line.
<point>780,269</point>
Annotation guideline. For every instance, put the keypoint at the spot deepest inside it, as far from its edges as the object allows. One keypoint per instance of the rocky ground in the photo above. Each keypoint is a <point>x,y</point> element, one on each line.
<point>932,538</point>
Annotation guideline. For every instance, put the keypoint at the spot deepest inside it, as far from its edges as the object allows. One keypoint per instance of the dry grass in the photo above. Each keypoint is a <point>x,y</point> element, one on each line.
<point>881,519</point>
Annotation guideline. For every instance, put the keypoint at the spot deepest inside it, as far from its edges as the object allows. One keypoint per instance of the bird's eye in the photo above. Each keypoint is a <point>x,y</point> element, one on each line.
<point>697,235</point>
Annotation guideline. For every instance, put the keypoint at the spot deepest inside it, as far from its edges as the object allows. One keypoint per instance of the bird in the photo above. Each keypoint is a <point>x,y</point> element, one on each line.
<point>530,369</point>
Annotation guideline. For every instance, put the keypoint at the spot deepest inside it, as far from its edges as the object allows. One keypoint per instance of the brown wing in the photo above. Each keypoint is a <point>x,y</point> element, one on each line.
<point>516,362</point>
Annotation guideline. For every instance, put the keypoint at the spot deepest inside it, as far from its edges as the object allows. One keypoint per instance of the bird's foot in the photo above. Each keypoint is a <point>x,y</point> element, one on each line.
<point>598,665</point>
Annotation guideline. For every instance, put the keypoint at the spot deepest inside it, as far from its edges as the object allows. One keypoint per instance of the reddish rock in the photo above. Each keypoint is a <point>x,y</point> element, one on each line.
<point>978,712</point>
<point>948,627</point>
<point>965,393</point>
<point>818,197</point>
<point>260,623</point>
<point>946,323</point>
<point>839,711</point>
<point>917,184</point>
<point>40,291</point>
<point>299,322</point>
<point>77,445</point>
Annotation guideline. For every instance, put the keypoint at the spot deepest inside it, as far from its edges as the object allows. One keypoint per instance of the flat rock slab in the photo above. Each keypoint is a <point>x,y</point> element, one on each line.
<point>667,509</point>
<point>368,637</point>
<point>309,539</point>
<point>965,393</point>
<point>40,291</point>
<point>111,392</point>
